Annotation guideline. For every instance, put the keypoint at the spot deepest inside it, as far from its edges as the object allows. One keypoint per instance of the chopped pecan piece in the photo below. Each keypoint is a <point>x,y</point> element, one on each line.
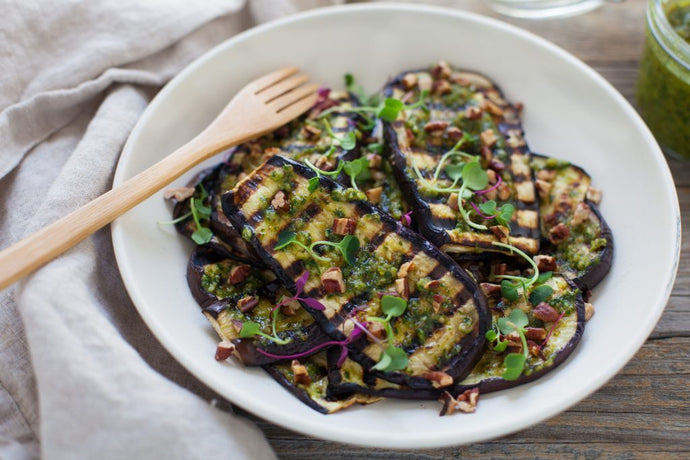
<point>300,372</point>
<point>290,308</point>
<point>402,287</point>
<point>433,284</point>
<point>405,269</point>
<point>332,281</point>
<point>239,273</point>
<point>436,127</point>
<point>492,108</point>
<point>543,187</point>
<point>500,269</point>
<point>535,333</point>
<point>503,191</point>
<point>344,226</point>
<point>545,263</point>
<point>453,201</point>
<point>515,138</point>
<point>534,349</point>
<point>325,163</point>
<point>469,78</point>
<point>224,350</point>
<point>374,160</point>
<point>473,113</point>
<point>441,87</point>
<point>454,133</point>
<point>424,82</point>
<point>545,312</point>
<point>500,232</point>
<point>409,80</point>
<point>441,71</point>
<point>237,325</point>
<point>280,202</point>
<point>179,193</point>
<point>492,176</point>
<point>491,290</point>
<point>497,165</point>
<point>374,194</point>
<point>377,329</point>
<point>546,174</point>
<point>594,195</point>
<point>589,311</point>
<point>245,304</point>
<point>559,233</point>
<point>581,214</point>
<point>488,137</point>
<point>438,379</point>
<point>466,402</point>
<point>311,132</point>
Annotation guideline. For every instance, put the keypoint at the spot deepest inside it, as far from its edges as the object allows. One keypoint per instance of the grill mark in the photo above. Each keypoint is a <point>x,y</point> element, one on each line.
<point>376,241</point>
<point>247,190</point>
<point>438,272</point>
<point>306,215</point>
<point>295,269</point>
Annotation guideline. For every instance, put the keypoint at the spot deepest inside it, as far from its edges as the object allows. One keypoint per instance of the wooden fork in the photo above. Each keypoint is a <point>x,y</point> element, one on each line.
<point>262,106</point>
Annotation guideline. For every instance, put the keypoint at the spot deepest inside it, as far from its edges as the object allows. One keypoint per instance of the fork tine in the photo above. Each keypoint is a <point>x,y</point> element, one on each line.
<point>298,108</point>
<point>293,96</point>
<point>283,87</point>
<point>272,78</point>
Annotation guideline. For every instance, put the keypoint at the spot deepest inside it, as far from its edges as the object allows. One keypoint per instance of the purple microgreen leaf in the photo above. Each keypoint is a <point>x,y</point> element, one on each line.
<point>313,303</point>
<point>301,281</point>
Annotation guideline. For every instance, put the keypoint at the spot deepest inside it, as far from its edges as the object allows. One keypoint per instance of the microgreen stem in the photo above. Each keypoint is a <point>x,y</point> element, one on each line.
<point>464,213</point>
<point>449,154</point>
<point>492,188</point>
<point>342,343</point>
<point>321,172</point>
<point>175,221</point>
<point>479,211</point>
<point>553,328</point>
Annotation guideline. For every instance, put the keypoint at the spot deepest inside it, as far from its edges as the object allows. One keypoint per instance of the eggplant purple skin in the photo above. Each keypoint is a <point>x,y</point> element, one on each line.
<point>212,305</point>
<point>597,272</point>
<point>497,384</point>
<point>472,345</point>
<point>298,392</point>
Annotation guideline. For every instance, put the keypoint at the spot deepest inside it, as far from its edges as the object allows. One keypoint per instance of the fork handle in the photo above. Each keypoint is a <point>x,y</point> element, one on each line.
<point>32,252</point>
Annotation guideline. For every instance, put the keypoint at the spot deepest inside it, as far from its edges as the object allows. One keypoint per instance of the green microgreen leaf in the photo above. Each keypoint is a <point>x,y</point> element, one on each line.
<point>349,247</point>
<point>285,238</point>
<point>249,329</point>
<point>393,306</point>
<point>313,183</point>
<point>357,170</point>
<point>540,294</point>
<point>491,335</point>
<point>454,171</point>
<point>375,147</point>
<point>526,282</point>
<point>354,88</point>
<point>514,363</point>
<point>474,177</point>
<point>501,347</point>
<point>390,109</point>
<point>392,359</point>
<point>348,141</point>
<point>488,207</point>
<point>509,290</point>
<point>505,214</point>
<point>544,277</point>
<point>202,235</point>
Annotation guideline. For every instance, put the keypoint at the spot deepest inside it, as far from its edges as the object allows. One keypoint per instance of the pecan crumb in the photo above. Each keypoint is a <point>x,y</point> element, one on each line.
<point>332,281</point>
<point>405,269</point>
<point>402,287</point>
<point>589,311</point>
<point>300,372</point>
<point>545,312</point>
<point>438,379</point>
<point>239,273</point>
<point>559,233</point>
<point>245,304</point>
<point>466,402</point>
<point>179,193</point>
<point>280,202</point>
<point>545,263</point>
<point>224,350</point>
<point>409,81</point>
<point>473,113</point>
<point>344,226</point>
<point>594,195</point>
<point>374,194</point>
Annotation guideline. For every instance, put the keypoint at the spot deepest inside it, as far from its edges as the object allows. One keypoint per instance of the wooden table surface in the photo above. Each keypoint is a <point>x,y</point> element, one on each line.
<point>642,412</point>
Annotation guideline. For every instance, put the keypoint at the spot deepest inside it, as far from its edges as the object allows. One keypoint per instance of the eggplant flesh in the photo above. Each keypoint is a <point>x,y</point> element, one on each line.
<point>455,324</point>
<point>586,253</point>
<point>464,112</point>
<point>208,278</point>
<point>314,390</point>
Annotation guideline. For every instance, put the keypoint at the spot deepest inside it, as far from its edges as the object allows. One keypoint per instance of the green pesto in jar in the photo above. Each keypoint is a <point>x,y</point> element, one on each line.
<point>663,90</point>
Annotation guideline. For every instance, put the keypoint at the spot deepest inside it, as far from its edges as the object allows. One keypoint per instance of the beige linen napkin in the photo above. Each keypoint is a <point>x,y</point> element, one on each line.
<point>80,374</point>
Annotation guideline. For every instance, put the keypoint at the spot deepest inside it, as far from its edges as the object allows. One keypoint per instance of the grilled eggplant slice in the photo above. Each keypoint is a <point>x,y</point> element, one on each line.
<point>443,326</point>
<point>555,329</point>
<point>576,234</point>
<point>312,389</point>
<point>231,293</point>
<point>464,116</point>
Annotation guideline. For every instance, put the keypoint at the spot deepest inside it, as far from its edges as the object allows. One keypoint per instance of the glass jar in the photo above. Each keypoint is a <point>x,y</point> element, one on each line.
<point>663,87</point>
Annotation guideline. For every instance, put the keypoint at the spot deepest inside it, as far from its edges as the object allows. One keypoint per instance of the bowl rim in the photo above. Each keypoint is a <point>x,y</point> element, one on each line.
<point>328,431</point>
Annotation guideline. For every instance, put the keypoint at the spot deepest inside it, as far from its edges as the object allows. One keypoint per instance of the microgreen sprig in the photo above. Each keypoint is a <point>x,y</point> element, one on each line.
<point>356,169</point>
<point>252,329</point>
<point>347,142</point>
<point>348,246</point>
<point>197,211</point>
<point>393,358</point>
<point>514,362</point>
<point>510,290</point>
<point>388,110</point>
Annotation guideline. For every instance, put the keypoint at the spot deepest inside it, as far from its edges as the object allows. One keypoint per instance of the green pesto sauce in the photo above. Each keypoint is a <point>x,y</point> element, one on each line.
<point>583,247</point>
<point>663,89</point>
<point>215,280</point>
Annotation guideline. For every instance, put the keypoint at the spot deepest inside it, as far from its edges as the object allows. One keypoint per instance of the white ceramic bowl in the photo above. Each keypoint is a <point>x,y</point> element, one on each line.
<point>570,112</point>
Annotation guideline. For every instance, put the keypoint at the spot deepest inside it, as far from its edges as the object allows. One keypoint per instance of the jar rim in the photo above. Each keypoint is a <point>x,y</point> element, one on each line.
<point>664,33</point>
